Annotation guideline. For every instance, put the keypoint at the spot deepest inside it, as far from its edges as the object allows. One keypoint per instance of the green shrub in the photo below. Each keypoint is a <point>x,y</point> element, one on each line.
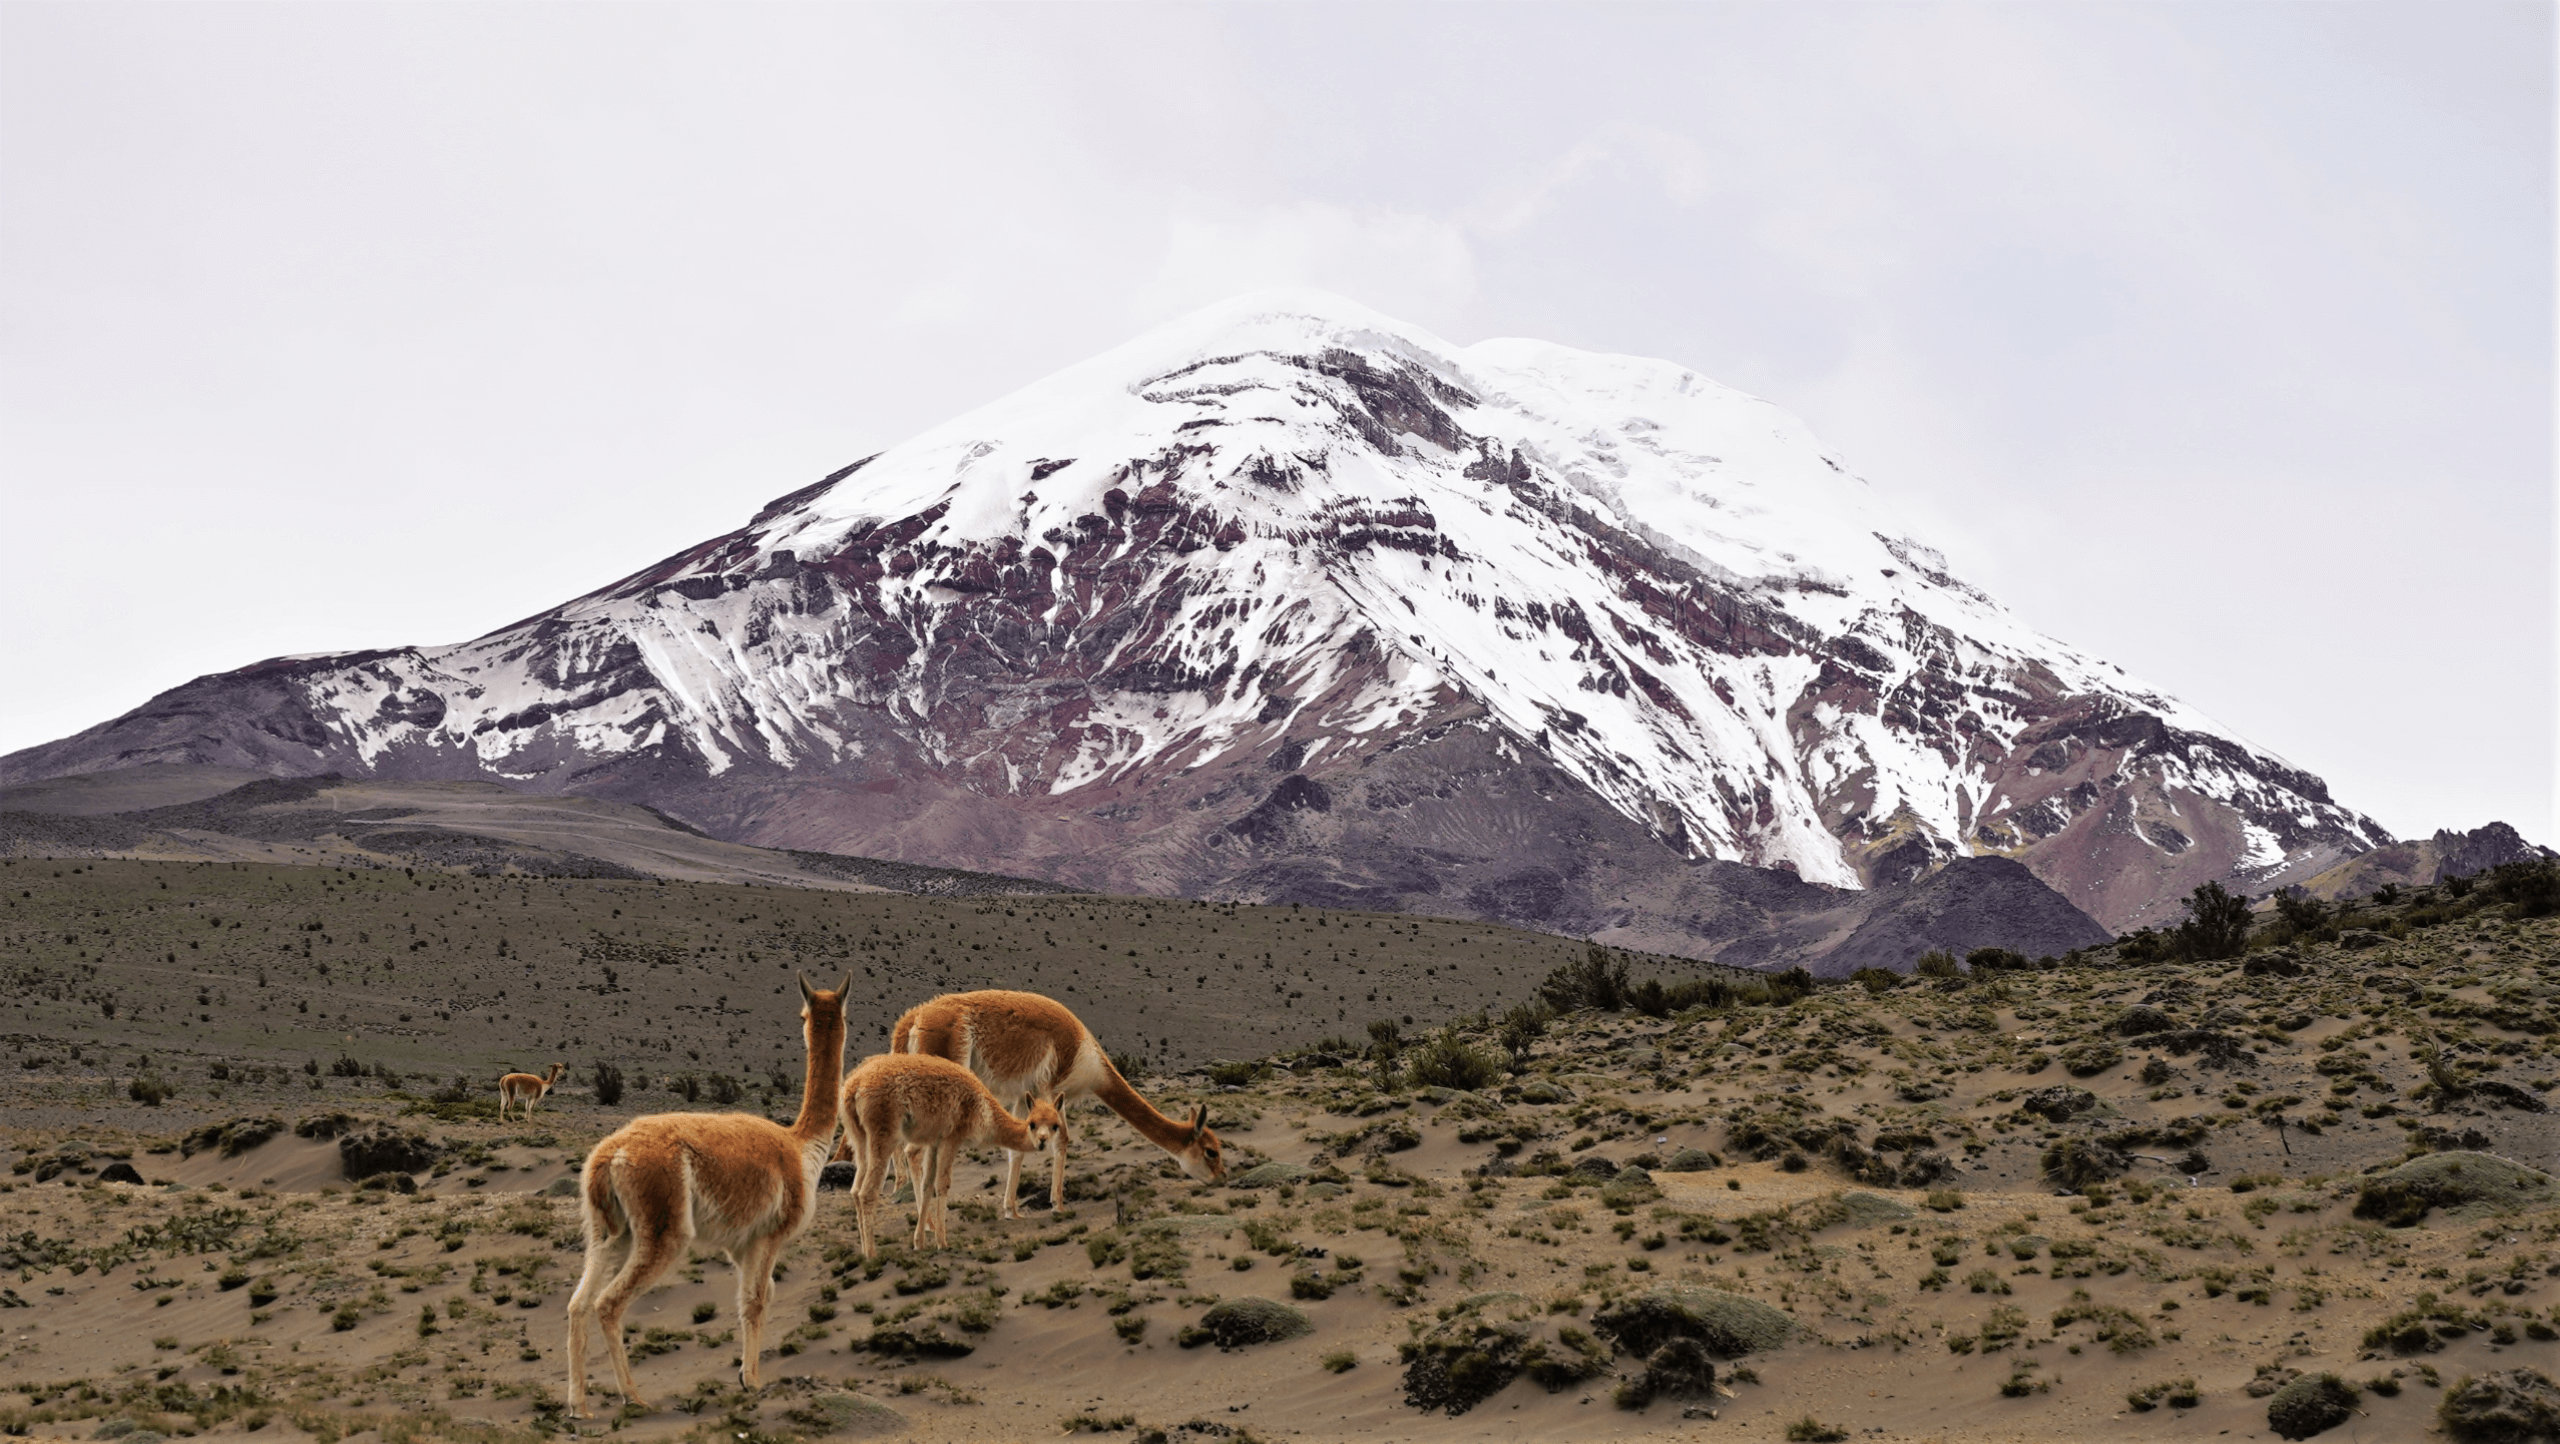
<point>1938,963</point>
<point>2217,924</point>
<point>2529,889</point>
<point>1449,1061</point>
<point>1521,1029</point>
<point>1596,982</point>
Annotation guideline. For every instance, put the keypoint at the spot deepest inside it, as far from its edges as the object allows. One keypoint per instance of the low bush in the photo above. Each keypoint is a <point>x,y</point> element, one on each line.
<point>1449,1061</point>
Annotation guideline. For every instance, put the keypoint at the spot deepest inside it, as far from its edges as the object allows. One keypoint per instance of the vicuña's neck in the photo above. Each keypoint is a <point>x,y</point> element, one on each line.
<point>1169,1134</point>
<point>817,1118</point>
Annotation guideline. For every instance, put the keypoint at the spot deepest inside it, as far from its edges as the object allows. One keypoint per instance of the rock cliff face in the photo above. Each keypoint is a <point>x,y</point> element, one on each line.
<point>2426,860</point>
<point>1289,600</point>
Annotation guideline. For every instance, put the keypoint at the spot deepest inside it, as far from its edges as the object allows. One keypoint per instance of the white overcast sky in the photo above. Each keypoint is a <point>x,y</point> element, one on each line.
<point>2215,339</point>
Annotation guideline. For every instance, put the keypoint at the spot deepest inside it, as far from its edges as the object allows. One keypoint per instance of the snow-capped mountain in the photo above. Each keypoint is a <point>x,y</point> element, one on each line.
<point>1291,599</point>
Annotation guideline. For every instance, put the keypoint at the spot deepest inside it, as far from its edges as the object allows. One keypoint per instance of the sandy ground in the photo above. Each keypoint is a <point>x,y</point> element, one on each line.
<point>1880,1172</point>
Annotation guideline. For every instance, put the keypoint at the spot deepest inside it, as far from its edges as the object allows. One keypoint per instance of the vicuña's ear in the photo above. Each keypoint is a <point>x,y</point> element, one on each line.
<point>845,988</point>
<point>1199,1120</point>
<point>807,994</point>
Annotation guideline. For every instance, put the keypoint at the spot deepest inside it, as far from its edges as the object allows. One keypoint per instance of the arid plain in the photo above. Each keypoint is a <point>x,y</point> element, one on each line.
<point>2014,1203</point>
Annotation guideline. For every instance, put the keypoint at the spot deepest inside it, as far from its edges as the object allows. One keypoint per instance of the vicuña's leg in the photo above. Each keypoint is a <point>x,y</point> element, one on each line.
<point>1058,1163</point>
<point>661,1232</point>
<point>945,1156</point>
<point>755,1295</point>
<point>1012,1185</point>
<point>604,1258</point>
<point>916,1162</point>
<point>922,1164</point>
<point>869,1184</point>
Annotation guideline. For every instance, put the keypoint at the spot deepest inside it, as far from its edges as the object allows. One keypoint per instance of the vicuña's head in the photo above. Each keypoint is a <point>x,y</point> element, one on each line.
<point>556,1070</point>
<point>1044,1122</point>
<point>820,1009</point>
<point>1200,1157</point>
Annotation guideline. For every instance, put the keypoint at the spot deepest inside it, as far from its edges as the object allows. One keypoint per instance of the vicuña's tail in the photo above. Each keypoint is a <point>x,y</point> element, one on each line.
<point>605,1216</point>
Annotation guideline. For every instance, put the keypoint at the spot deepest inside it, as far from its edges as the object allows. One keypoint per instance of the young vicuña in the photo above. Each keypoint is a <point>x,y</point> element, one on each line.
<point>1026,1046</point>
<point>927,1109</point>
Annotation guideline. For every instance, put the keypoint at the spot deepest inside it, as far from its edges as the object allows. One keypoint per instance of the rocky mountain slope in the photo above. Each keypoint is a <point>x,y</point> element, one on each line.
<point>2448,854</point>
<point>1291,601</point>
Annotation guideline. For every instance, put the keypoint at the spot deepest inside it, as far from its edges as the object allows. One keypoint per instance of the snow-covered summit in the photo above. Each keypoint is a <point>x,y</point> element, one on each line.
<point>1290,532</point>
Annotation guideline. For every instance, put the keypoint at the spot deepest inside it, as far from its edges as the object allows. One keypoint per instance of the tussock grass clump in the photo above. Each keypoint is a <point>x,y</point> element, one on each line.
<point>2087,1060</point>
<point>847,1415</point>
<point>2177,1394</point>
<point>230,1139</point>
<point>2405,1195</point>
<point>1242,1322</point>
<point>1727,1325</point>
<point>2510,1406</point>
<point>2311,1405</point>
<point>2079,1162</point>
<point>2423,1328</point>
<point>1472,1355</point>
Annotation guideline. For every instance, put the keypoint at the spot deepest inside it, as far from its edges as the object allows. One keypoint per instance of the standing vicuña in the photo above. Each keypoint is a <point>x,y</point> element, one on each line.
<point>1026,1046</point>
<point>743,1185</point>
<point>527,1089</point>
<point>928,1109</point>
